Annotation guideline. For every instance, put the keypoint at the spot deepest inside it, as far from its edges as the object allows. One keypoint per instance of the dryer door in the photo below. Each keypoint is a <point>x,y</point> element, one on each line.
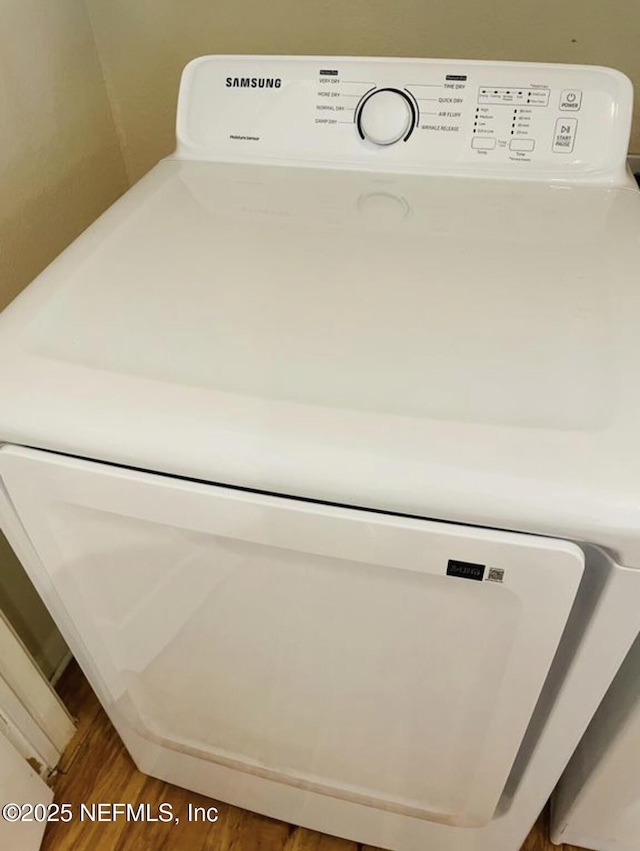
<point>379,659</point>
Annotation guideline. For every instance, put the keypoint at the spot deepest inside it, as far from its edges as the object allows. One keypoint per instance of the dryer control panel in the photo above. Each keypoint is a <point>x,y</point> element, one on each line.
<point>506,119</point>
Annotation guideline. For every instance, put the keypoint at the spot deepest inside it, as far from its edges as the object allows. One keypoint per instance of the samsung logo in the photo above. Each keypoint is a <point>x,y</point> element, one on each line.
<point>254,82</point>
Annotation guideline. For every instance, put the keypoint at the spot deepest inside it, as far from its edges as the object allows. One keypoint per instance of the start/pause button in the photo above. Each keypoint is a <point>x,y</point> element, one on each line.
<point>565,135</point>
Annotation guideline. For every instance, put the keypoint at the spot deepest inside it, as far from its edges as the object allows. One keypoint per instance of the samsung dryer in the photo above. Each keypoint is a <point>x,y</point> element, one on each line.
<point>320,445</point>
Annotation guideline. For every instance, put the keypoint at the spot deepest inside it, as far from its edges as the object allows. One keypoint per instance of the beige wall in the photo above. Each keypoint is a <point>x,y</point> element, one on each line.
<point>145,43</point>
<point>60,166</point>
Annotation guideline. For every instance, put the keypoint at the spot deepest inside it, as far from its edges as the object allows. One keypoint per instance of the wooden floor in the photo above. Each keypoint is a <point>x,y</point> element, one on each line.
<point>96,768</point>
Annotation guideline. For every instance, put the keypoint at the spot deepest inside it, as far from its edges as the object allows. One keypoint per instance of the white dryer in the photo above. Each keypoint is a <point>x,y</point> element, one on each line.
<point>320,445</point>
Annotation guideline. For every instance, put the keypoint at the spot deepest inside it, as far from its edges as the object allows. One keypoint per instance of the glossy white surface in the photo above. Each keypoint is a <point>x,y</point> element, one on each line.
<point>336,661</point>
<point>447,348</point>
<point>123,594</point>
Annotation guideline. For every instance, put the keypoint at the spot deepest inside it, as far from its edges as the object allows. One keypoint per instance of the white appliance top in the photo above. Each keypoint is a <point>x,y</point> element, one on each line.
<point>433,345</point>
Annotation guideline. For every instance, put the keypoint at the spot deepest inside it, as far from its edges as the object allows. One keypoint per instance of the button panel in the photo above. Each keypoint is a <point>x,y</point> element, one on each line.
<point>438,116</point>
<point>570,100</point>
<point>522,144</point>
<point>483,143</point>
<point>565,135</point>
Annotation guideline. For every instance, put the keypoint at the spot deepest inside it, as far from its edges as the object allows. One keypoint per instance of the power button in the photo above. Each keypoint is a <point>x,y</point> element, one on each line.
<point>570,100</point>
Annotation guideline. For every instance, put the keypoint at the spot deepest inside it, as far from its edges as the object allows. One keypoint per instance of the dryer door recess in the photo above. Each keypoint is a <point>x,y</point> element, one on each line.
<point>377,659</point>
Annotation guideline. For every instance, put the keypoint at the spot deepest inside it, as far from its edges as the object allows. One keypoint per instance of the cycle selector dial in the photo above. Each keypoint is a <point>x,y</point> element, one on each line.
<point>385,116</point>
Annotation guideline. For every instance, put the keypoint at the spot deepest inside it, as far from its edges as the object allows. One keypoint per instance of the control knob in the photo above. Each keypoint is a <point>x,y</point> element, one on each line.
<point>385,116</point>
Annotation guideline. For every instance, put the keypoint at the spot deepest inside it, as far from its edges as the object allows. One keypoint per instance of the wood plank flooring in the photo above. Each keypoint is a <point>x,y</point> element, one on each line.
<point>96,768</point>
